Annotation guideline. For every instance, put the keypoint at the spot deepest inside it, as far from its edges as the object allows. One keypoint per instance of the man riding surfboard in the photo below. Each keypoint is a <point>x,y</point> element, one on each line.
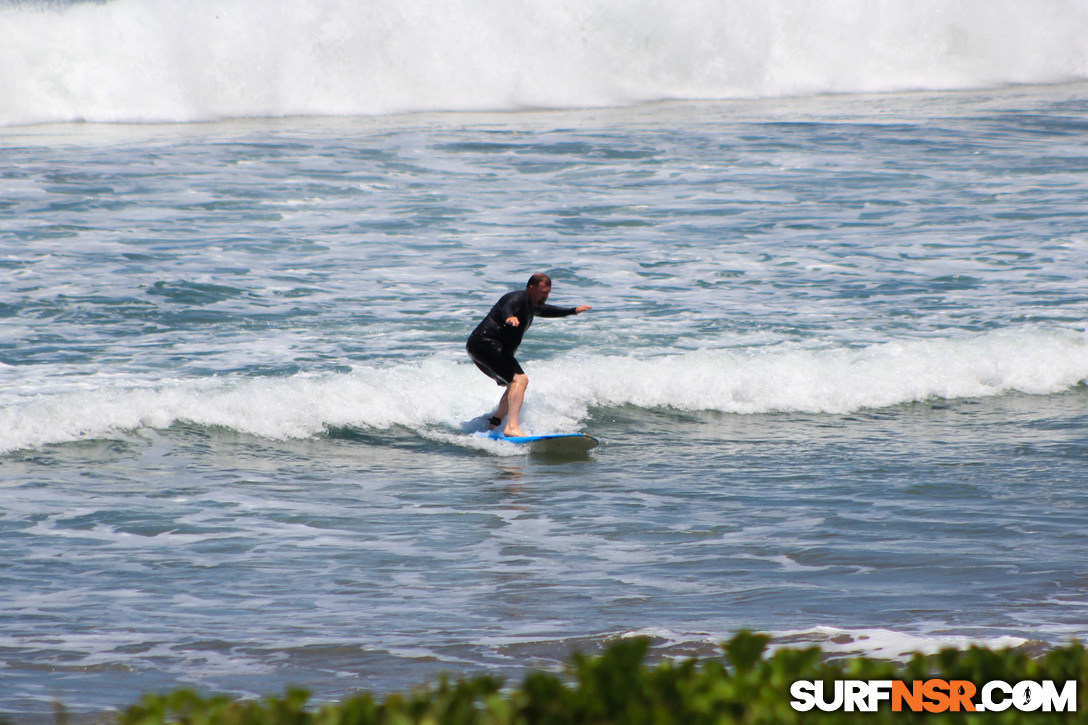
<point>495,340</point>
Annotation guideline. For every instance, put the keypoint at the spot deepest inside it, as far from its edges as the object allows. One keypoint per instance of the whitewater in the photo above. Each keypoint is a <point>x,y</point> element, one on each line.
<point>435,394</point>
<point>148,61</point>
<point>837,358</point>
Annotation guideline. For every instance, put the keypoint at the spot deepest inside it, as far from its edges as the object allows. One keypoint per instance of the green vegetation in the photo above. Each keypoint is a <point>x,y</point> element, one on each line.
<point>618,687</point>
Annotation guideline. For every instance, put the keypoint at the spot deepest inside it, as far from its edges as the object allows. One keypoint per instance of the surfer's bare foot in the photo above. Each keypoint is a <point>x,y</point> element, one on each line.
<point>512,432</point>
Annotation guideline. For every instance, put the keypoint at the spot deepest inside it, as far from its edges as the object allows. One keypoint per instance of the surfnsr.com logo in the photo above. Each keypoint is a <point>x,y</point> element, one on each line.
<point>934,696</point>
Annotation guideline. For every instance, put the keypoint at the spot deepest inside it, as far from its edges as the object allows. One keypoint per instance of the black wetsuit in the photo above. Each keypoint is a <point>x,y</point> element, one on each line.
<point>493,343</point>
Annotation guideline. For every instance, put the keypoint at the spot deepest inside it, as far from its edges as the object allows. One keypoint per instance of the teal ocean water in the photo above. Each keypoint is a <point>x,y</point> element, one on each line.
<point>837,358</point>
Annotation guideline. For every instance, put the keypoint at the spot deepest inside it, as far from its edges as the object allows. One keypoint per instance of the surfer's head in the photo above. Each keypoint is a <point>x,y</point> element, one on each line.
<point>539,286</point>
<point>539,278</point>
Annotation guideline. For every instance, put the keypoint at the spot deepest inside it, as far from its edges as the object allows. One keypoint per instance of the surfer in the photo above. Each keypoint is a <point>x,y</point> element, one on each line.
<point>495,340</point>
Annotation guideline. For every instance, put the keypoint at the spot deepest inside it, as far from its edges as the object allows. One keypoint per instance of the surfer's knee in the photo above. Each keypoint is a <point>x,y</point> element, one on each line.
<point>521,380</point>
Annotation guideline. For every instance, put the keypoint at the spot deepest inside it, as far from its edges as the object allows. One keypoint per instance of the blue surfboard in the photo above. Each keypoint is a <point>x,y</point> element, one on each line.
<point>549,442</point>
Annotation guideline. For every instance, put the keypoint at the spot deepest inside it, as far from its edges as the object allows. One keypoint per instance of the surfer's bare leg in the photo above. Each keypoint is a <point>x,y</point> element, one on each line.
<point>501,411</point>
<point>510,405</point>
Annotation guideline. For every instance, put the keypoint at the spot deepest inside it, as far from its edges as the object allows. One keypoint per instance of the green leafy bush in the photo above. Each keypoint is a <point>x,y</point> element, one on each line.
<point>619,688</point>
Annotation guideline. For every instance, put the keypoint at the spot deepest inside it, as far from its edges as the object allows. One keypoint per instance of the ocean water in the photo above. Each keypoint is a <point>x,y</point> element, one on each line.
<point>837,358</point>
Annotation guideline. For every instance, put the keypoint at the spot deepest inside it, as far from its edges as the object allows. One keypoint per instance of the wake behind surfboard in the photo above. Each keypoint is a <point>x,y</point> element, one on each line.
<point>551,443</point>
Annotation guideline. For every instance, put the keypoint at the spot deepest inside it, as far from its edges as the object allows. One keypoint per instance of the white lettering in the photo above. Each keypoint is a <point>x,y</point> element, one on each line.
<point>804,698</point>
<point>879,690</point>
<point>1027,696</point>
<point>1065,701</point>
<point>857,696</point>
<point>834,704</point>
<point>988,702</point>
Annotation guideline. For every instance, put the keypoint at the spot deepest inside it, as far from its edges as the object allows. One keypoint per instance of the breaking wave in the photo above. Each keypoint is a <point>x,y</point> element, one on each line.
<point>153,61</point>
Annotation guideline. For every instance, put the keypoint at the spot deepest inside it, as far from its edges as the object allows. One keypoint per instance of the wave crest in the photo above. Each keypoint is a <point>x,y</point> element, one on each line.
<point>445,394</point>
<point>149,61</point>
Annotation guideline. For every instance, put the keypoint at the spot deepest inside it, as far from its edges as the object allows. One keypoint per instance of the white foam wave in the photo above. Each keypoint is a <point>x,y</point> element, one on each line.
<point>872,642</point>
<point>147,60</point>
<point>886,644</point>
<point>444,394</point>
<point>783,378</point>
<point>279,408</point>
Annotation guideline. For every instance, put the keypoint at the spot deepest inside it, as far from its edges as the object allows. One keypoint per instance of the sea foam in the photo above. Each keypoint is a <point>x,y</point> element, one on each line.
<point>151,61</point>
<point>445,396</point>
